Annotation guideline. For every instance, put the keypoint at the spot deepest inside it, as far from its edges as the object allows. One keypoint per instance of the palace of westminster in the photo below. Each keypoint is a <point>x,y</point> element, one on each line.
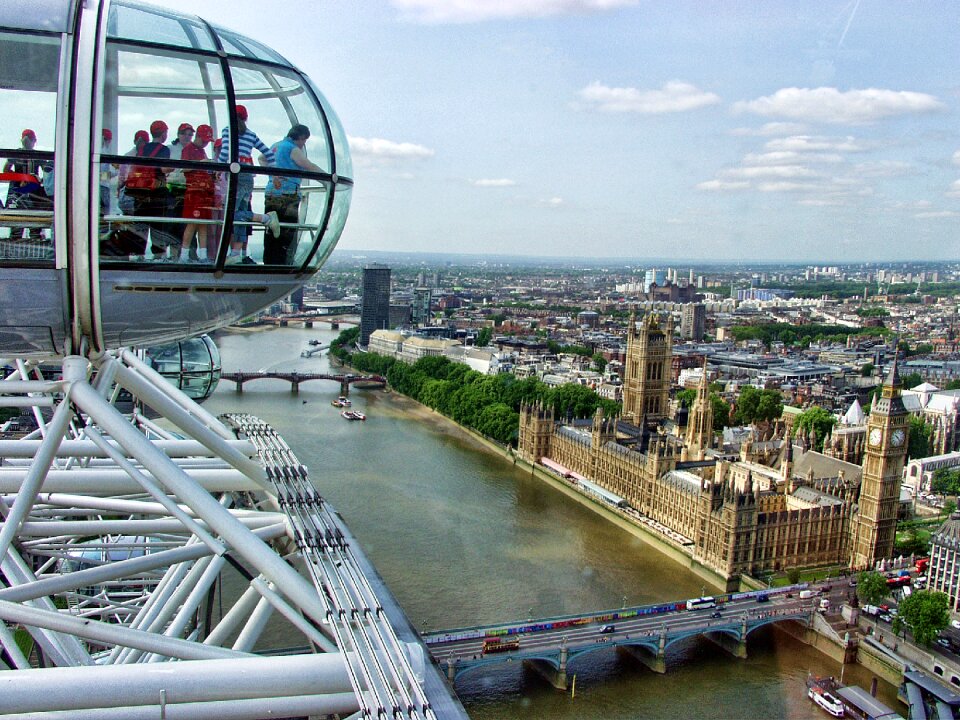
<point>773,506</point>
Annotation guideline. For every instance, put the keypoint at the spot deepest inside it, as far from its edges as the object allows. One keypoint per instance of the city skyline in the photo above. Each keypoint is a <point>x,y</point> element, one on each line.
<point>823,132</point>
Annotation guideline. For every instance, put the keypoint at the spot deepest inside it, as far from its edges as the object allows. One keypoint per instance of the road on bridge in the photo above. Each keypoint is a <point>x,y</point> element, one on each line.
<point>627,629</point>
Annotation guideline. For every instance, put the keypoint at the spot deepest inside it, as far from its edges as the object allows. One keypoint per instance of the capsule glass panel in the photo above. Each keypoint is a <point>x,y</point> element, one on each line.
<point>29,70</point>
<point>148,23</point>
<point>192,366</point>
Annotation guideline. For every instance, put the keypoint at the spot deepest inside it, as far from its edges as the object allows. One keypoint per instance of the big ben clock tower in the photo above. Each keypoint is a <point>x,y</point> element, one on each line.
<point>875,525</point>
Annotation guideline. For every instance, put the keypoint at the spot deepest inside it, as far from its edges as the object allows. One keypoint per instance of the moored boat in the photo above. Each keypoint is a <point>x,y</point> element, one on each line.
<point>352,415</point>
<point>819,691</point>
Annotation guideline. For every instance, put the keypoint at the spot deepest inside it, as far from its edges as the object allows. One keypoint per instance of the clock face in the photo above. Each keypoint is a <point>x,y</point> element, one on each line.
<point>875,436</point>
<point>898,437</point>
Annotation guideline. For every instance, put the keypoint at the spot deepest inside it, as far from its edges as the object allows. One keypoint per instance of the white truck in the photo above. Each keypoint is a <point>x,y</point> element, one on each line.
<point>871,610</point>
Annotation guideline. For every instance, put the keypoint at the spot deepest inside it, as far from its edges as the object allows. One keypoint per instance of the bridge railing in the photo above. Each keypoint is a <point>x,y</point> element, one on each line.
<point>559,621</point>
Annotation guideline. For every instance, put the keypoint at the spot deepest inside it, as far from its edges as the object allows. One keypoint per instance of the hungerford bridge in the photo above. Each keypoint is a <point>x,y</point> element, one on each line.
<point>645,632</point>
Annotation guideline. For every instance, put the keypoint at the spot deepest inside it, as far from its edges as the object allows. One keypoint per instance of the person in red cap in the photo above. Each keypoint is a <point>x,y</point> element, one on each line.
<point>176,182</point>
<point>198,198</point>
<point>247,142</point>
<point>147,185</point>
<point>26,193</point>
<point>140,138</point>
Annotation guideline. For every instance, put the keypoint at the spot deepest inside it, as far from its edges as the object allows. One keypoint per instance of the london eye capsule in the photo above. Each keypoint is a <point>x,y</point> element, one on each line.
<point>162,176</point>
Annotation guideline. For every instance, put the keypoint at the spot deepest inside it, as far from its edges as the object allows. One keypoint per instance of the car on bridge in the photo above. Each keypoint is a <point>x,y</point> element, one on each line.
<point>716,614</point>
<point>606,629</point>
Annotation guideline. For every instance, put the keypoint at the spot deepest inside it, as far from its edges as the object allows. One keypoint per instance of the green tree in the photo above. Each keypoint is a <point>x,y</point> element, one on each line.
<point>918,445</point>
<point>721,413</point>
<point>599,362</point>
<point>499,422</point>
<point>817,419</point>
<point>686,397</point>
<point>867,370</point>
<point>757,406</point>
<point>911,380</point>
<point>952,385</point>
<point>872,587</point>
<point>484,337</point>
<point>926,613</point>
<point>945,481</point>
<point>573,400</point>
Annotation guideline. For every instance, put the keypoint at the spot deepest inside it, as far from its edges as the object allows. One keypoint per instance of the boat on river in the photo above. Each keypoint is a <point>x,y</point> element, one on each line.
<point>341,402</point>
<point>819,692</point>
<point>353,415</point>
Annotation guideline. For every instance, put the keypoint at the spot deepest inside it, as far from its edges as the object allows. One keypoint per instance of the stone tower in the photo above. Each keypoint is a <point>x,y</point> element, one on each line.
<point>647,376</point>
<point>875,525</point>
<point>536,429</point>
<point>700,420</point>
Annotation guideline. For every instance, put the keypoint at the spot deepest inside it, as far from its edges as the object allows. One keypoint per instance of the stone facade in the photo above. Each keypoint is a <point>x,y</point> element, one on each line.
<point>778,506</point>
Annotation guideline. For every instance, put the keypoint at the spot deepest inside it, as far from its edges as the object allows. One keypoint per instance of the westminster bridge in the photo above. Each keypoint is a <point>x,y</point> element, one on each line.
<point>549,645</point>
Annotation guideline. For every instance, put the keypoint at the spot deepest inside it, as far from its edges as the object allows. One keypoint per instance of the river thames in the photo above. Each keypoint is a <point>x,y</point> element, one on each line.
<point>463,538</point>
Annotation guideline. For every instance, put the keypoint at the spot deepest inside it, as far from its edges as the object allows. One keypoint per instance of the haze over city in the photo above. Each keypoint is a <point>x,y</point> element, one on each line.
<point>719,131</point>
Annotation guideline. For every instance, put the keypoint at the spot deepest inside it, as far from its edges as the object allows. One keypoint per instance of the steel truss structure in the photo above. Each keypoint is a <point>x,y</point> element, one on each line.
<point>117,531</point>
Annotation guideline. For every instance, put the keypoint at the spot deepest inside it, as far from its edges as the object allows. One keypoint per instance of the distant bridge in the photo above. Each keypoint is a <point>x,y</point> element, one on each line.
<point>645,632</point>
<point>296,378</point>
<point>307,320</point>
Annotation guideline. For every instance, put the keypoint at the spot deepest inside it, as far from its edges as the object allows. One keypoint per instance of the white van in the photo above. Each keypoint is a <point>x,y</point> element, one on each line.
<point>807,594</point>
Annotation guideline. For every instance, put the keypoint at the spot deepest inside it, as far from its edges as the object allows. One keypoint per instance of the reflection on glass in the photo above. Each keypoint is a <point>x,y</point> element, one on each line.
<point>163,198</point>
<point>191,365</point>
<point>29,67</point>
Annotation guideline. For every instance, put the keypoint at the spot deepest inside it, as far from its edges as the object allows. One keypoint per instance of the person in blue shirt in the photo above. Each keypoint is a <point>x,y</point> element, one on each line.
<point>283,195</point>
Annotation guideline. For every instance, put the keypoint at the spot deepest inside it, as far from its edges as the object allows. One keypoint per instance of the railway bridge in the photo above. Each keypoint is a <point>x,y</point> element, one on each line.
<point>549,645</point>
<point>296,378</point>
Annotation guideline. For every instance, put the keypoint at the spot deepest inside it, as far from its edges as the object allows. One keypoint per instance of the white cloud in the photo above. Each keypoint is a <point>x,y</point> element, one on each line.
<point>956,158</point>
<point>884,169</point>
<point>771,129</point>
<point>938,214</point>
<point>377,148</point>
<point>785,186</point>
<point>830,105</point>
<point>770,171</point>
<point>552,202</point>
<point>954,190</point>
<point>722,185</point>
<point>815,143</point>
<point>493,182</point>
<point>790,157</point>
<point>822,202</point>
<point>467,11</point>
<point>674,96</point>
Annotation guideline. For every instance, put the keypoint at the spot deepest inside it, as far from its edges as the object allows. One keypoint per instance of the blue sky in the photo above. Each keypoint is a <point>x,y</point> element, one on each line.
<point>800,131</point>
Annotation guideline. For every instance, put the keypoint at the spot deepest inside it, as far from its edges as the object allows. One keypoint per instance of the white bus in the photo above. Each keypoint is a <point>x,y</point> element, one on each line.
<point>701,603</point>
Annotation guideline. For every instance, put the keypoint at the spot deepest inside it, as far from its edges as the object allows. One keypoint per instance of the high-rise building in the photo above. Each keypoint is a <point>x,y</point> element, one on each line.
<point>375,304</point>
<point>420,312</point>
<point>875,525</point>
<point>693,321</point>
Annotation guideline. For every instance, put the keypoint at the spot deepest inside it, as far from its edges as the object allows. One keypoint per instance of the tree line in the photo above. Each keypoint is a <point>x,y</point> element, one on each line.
<point>489,404</point>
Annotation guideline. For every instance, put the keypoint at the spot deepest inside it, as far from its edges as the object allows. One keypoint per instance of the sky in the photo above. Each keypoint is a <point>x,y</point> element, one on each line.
<point>816,131</point>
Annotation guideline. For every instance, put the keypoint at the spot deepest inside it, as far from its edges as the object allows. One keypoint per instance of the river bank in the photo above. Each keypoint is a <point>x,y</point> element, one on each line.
<point>818,638</point>
<point>463,536</point>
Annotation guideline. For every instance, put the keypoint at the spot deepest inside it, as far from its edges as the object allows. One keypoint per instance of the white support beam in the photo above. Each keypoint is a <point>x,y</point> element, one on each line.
<point>198,681</point>
<point>109,633</point>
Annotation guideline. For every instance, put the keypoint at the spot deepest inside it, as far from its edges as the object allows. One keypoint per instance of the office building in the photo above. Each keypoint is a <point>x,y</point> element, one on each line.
<point>375,303</point>
<point>693,321</point>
